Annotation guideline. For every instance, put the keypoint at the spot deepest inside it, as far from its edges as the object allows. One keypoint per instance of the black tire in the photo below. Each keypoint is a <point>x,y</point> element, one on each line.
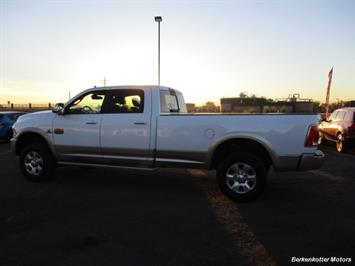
<point>340,143</point>
<point>86,168</point>
<point>253,166</point>
<point>9,135</point>
<point>42,158</point>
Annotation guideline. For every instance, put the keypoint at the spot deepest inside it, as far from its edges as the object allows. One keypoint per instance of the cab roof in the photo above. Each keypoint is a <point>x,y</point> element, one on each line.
<point>130,87</point>
<point>141,87</point>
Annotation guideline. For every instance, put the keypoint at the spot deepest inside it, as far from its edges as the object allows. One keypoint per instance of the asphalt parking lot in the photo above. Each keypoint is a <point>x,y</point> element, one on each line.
<point>174,217</point>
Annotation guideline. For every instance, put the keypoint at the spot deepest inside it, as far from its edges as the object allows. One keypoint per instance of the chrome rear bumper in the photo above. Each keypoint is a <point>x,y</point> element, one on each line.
<point>311,161</point>
<point>304,162</point>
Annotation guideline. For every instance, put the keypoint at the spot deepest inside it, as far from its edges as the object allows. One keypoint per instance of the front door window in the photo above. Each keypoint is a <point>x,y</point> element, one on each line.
<point>88,104</point>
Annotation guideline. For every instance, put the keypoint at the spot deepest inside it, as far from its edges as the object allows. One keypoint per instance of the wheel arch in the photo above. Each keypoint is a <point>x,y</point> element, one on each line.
<point>243,143</point>
<point>339,131</point>
<point>32,136</point>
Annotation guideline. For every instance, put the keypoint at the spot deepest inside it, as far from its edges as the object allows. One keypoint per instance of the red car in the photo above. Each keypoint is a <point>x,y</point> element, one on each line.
<point>339,127</point>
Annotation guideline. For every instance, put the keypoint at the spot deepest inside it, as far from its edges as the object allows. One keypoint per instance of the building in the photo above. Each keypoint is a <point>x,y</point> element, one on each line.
<point>242,105</point>
<point>293,104</point>
<point>209,107</point>
<point>191,107</point>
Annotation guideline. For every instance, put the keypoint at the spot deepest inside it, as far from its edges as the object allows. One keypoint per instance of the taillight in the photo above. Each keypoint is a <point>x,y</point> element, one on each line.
<point>352,126</point>
<point>312,136</point>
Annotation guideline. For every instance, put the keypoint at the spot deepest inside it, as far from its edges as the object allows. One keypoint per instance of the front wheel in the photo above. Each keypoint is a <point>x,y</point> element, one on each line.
<point>36,162</point>
<point>242,176</point>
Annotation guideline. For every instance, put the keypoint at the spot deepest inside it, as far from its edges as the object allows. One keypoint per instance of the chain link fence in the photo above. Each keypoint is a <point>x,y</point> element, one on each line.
<point>29,107</point>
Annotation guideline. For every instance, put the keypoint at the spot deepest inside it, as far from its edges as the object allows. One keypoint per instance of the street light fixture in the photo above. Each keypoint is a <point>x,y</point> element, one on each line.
<point>158,19</point>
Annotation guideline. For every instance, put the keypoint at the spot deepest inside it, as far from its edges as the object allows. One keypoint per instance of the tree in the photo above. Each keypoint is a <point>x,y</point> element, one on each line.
<point>243,95</point>
<point>318,107</point>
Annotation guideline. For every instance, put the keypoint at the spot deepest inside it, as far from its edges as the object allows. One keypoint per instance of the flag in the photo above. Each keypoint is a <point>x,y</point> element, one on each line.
<point>330,76</point>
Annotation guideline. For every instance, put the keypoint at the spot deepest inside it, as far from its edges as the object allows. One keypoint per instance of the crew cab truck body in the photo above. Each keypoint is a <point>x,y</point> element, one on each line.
<point>148,127</point>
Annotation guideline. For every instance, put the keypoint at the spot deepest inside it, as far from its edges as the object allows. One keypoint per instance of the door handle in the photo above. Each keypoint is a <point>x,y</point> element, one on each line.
<point>91,123</point>
<point>139,123</point>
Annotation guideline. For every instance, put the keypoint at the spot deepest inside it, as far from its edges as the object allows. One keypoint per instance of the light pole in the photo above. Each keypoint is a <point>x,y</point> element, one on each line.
<point>158,19</point>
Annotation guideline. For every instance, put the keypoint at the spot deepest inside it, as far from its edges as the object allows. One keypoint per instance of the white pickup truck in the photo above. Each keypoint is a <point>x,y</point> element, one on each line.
<point>146,127</point>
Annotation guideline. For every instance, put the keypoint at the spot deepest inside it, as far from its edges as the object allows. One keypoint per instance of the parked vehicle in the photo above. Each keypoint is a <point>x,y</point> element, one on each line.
<point>145,127</point>
<point>339,127</point>
<point>7,119</point>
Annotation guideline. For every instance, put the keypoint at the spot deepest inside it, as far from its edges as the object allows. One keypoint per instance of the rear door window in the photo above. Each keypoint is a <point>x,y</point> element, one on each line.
<point>182,104</point>
<point>340,116</point>
<point>125,101</point>
<point>168,102</point>
<point>172,101</point>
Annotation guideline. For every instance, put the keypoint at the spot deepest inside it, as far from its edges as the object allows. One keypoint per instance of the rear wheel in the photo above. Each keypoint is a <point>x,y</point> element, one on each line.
<point>36,162</point>
<point>242,176</point>
<point>340,143</point>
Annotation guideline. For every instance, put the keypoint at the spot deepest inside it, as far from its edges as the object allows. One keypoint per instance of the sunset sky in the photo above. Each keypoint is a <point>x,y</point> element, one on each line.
<point>209,49</point>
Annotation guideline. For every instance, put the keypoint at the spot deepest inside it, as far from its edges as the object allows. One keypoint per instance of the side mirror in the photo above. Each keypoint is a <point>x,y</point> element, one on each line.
<point>58,108</point>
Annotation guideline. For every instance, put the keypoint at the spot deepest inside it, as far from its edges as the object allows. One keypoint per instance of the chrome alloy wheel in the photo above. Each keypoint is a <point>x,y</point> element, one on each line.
<point>33,163</point>
<point>339,143</point>
<point>241,178</point>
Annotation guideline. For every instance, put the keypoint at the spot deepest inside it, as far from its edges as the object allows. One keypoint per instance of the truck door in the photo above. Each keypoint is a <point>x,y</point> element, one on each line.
<point>76,133</point>
<point>125,128</point>
<point>337,124</point>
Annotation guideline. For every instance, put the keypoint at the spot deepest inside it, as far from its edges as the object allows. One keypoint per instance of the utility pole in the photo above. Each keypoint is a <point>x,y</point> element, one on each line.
<point>69,95</point>
<point>104,81</point>
<point>158,19</point>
